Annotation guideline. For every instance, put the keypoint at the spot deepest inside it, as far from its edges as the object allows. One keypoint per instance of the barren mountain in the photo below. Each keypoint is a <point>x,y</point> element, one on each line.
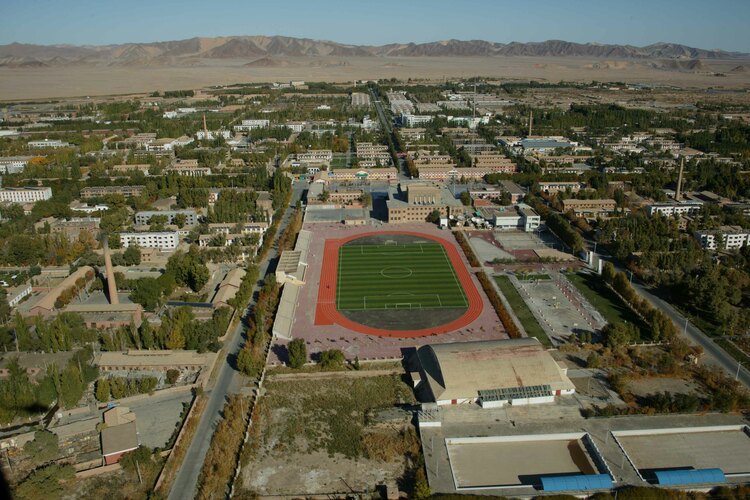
<point>243,47</point>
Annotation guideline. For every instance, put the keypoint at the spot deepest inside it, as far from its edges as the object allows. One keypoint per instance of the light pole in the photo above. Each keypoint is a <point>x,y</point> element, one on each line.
<point>737,375</point>
<point>684,330</point>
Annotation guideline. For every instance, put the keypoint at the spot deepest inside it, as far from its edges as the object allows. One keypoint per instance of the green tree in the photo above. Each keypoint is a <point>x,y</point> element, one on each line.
<point>249,362</point>
<point>43,448</point>
<point>421,486</point>
<point>102,390</point>
<point>297,353</point>
<point>71,386</point>
<point>132,255</point>
<point>465,198</point>
<point>147,292</point>
<point>180,220</point>
<point>45,482</point>
<point>331,359</point>
<point>434,217</point>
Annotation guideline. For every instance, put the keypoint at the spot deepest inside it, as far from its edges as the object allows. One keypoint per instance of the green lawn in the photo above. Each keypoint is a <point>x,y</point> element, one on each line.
<point>605,301</point>
<point>412,276</point>
<point>522,311</point>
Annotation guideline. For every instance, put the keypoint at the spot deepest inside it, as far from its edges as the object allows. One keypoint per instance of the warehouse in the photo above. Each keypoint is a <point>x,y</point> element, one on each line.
<point>493,373</point>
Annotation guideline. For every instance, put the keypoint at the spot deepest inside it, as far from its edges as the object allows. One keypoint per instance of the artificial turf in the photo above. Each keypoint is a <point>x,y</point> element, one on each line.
<point>411,276</point>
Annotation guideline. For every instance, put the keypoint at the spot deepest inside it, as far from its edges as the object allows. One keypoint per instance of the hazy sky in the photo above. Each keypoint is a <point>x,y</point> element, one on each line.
<point>698,23</point>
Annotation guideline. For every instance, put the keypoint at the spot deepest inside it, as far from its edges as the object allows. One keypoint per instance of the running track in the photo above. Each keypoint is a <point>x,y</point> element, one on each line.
<point>327,314</point>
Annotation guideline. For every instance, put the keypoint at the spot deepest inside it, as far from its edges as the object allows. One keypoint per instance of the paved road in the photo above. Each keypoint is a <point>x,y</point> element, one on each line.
<point>713,354</point>
<point>228,380</point>
<point>385,122</point>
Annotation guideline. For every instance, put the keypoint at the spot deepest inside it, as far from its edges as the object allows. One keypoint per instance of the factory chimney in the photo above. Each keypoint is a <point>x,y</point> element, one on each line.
<point>678,193</point>
<point>531,121</point>
<point>111,285</point>
<point>205,128</point>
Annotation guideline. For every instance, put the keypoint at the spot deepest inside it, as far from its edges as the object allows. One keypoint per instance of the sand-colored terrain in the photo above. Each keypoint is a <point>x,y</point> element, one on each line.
<point>90,80</point>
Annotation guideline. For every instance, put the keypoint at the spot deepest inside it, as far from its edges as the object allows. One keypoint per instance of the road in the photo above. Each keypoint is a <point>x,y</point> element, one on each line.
<point>386,124</point>
<point>228,380</point>
<point>713,354</point>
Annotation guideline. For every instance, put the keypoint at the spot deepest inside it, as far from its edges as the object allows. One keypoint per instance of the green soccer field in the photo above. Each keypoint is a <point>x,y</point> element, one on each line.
<point>412,276</point>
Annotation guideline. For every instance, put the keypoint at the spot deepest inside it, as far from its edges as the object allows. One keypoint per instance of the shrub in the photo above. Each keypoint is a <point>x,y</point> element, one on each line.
<point>331,359</point>
<point>297,353</point>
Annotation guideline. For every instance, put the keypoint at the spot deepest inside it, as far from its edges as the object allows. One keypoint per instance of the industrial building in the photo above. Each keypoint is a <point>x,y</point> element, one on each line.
<point>492,373</point>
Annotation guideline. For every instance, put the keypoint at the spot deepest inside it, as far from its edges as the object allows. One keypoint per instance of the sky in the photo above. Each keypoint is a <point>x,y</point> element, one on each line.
<point>704,24</point>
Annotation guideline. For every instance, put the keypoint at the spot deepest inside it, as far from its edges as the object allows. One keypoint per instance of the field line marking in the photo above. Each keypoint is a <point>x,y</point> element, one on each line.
<point>338,277</point>
<point>455,278</point>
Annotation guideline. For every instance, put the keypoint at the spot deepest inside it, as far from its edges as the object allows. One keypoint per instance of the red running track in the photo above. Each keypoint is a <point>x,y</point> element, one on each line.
<point>327,314</point>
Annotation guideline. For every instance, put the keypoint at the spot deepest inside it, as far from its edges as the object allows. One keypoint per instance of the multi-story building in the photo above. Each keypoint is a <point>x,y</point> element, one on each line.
<point>72,228</point>
<point>419,201</point>
<point>47,144</point>
<point>724,238</point>
<point>443,173</point>
<point>362,174</point>
<point>518,217</point>
<point>13,164</point>
<point>248,125</point>
<point>315,155</point>
<point>99,191</point>
<point>144,217</point>
<point>556,186</point>
<point>188,171</point>
<point>163,240</point>
<point>675,208</point>
<point>416,120</point>
<point>25,194</point>
<point>141,167</point>
<point>589,208</point>
<point>241,228</point>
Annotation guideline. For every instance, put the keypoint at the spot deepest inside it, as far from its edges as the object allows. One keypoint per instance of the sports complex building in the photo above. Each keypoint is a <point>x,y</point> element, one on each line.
<point>491,373</point>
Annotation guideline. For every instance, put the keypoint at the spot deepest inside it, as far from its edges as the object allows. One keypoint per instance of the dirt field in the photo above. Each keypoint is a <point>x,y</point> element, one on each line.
<point>318,436</point>
<point>646,386</point>
<point>82,80</point>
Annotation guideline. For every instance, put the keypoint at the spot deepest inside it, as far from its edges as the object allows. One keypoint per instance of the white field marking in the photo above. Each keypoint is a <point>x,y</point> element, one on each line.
<point>455,278</point>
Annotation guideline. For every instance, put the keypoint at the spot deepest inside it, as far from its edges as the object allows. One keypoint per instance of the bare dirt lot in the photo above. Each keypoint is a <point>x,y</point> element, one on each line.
<point>87,80</point>
<point>318,436</point>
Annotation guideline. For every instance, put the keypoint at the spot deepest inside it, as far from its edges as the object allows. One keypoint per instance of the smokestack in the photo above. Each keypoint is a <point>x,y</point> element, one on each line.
<point>678,193</point>
<point>205,128</point>
<point>111,285</point>
<point>531,121</point>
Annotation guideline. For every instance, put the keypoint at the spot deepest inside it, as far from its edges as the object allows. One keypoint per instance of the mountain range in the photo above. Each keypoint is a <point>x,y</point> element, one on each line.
<point>195,51</point>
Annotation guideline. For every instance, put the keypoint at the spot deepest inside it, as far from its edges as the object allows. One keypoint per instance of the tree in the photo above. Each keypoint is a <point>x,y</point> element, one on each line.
<point>331,359</point>
<point>465,198</point>
<point>366,200</point>
<point>45,482</point>
<point>434,217</point>
<point>43,448</point>
<point>147,292</point>
<point>102,390</point>
<point>180,220</point>
<point>71,386</point>
<point>157,222</point>
<point>249,363</point>
<point>172,376</point>
<point>132,255</point>
<point>297,353</point>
